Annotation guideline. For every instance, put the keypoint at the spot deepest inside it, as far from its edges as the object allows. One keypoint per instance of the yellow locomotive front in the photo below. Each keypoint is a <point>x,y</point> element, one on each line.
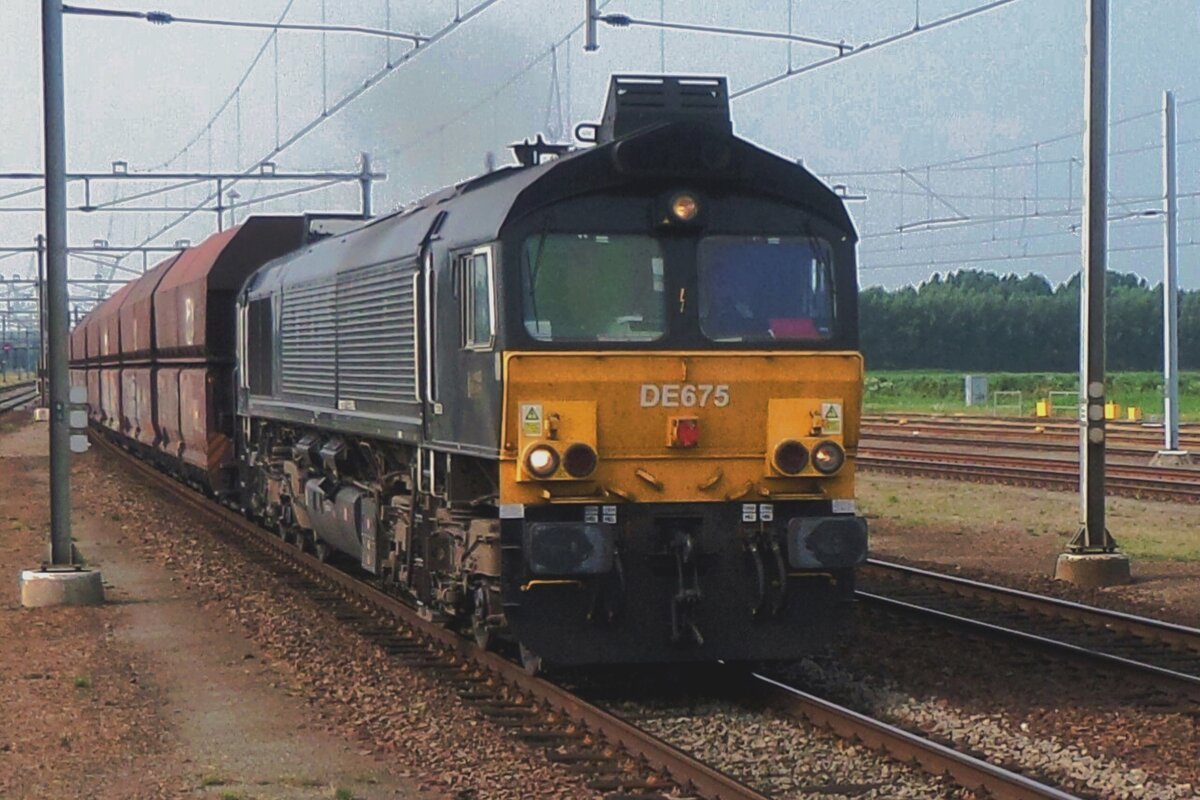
<point>741,427</point>
<point>723,482</point>
<point>685,502</point>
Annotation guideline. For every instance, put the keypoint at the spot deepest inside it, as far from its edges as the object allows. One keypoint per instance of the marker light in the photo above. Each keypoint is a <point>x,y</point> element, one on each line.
<point>828,457</point>
<point>791,457</point>
<point>685,432</point>
<point>580,460</point>
<point>684,207</point>
<point>542,461</point>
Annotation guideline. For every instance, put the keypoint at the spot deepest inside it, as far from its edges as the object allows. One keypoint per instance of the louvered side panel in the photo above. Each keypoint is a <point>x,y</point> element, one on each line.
<point>375,336</point>
<point>307,339</point>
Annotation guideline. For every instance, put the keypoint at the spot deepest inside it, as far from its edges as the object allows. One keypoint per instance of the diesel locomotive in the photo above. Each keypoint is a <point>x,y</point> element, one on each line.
<point>603,404</point>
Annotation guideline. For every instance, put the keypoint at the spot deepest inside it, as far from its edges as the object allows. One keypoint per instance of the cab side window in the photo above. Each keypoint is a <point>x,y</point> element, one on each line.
<point>474,283</point>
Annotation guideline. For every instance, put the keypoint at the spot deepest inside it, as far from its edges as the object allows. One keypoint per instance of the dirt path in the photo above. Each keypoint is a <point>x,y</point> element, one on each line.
<point>148,696</point>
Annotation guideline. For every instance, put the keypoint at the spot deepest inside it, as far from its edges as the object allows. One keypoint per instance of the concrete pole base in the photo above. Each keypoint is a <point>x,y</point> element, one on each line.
<point>1093,570</point>
<point>61,587</point>
<point>1171,458</point>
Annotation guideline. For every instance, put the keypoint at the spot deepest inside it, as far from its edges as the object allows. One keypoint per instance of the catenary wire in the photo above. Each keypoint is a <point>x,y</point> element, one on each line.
<point>234,95</point>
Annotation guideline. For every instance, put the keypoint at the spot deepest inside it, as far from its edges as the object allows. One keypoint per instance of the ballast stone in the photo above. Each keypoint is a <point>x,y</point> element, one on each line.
<point>61,587</point>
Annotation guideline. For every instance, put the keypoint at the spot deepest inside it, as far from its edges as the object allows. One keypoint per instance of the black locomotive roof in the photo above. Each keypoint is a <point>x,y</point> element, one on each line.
<point>477,209</point>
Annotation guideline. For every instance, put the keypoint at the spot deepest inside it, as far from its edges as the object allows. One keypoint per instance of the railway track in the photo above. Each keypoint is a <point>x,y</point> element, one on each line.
<point>997,430</point>
<point>934,758</point>
<point>618,759</point>
<point>1163,651</point>
<point>1061,424</point>
<point>1180,484</point>
<point>17,395</point>
<point>1065,445</point>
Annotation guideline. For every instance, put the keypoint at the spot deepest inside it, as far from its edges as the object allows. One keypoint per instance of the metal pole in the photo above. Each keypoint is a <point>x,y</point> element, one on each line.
<point>41,316</point>
<point>1093,535</point>
<point>220,209</point>
<point>589,22</point>
<point>54,101</point>
<point>365,183</point>
<point>1170,281</point>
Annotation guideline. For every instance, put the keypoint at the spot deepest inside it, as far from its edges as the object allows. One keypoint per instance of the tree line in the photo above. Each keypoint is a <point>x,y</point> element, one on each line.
<point>979,321</point>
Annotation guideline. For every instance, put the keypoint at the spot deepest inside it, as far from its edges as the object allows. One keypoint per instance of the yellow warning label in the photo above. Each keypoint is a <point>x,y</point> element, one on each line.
<point>832,414</point>
<point>531,419</point>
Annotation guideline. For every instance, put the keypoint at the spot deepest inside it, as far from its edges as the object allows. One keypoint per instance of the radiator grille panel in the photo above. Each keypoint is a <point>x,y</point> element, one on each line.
<point>375,335</point>
<point>307,352</point>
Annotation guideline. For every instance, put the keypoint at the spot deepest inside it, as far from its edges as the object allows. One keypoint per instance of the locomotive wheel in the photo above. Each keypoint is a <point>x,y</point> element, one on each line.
<point>530,660</point>
<point>479,629</point>
<point>483,634</point>
<point>322,550</point>
<point>301,541</point>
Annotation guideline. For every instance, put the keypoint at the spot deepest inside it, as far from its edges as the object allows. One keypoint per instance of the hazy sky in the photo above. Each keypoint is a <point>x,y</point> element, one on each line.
<point>1003,80</point>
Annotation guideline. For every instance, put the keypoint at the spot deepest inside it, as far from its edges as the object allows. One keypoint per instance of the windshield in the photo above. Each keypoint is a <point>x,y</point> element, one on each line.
<point>765,288</point>
<point>584,287</point>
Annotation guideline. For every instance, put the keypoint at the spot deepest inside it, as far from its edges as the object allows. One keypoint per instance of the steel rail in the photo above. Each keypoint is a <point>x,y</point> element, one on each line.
<point>1147,627</point>
<point>1052,443</point>
<point>1032,430</point>
<point>929,417</point>
<point>1165,483</point>
<point>10,387</point>
<point>1184,640</point>
<point>683,769</point>
<point>1160,475</point>
<point>13,400</point>
<point>937,759</point>
<point>1036,640</point>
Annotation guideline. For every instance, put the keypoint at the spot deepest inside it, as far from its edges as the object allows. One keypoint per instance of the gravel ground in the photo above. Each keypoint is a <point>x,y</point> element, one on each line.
<point>353,687</point>
<point>782,757</point>
<point>691,707</point>
<point>971,696</point>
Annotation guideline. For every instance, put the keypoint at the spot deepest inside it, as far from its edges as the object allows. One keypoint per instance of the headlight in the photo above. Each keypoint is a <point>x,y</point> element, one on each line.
<point>542,461</point>
<point>828,457</point>
<point>791,457</point>
<point>580,460</point>
<point>684,207</point>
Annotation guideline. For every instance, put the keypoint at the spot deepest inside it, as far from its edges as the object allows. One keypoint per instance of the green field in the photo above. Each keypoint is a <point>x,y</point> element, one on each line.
<point>942,392</point>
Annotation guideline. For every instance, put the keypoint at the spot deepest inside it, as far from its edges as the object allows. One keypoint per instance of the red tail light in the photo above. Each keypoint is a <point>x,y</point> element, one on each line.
<point>685,432</point>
